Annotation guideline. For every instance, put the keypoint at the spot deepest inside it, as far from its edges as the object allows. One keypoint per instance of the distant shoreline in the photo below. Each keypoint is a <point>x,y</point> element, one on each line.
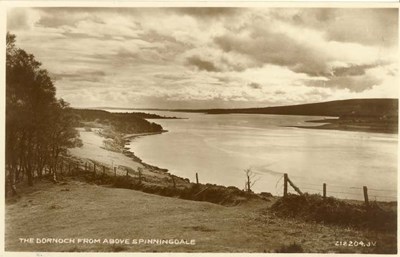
<point>130,136</point>
<point>349,125</point>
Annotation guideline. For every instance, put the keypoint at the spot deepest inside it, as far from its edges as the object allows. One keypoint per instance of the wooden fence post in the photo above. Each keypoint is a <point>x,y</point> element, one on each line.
<point>173,181</point>
<point>294,187</point>
<point>126,173</point>
<point>197,178</point>
<point>324,190</point>
<point>285,182</point>
<point>365,189</point>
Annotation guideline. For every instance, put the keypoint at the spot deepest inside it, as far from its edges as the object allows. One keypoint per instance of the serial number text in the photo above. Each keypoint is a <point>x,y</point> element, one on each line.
<point>356,243</point>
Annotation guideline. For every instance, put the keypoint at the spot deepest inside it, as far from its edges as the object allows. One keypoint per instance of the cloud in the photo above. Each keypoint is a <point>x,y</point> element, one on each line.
<point>81,75</point>
<point>201,64</point>
<point>21,19</point>
<point>354,70</point>
<point>216,56</point>
<point>207,12</point>
<point>267,46</point>
<point>254,85</point>
<point>367,26</point>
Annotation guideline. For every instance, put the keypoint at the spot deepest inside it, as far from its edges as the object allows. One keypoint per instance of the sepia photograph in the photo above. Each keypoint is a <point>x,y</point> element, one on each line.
<point>201,129</point>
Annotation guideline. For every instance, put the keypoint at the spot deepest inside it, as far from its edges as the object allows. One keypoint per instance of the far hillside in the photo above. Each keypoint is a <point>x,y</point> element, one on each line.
<point>367,115</point>
<point>353,107</point>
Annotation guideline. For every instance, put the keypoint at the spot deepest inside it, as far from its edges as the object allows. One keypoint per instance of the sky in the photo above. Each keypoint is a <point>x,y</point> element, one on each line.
<point>212,57</point>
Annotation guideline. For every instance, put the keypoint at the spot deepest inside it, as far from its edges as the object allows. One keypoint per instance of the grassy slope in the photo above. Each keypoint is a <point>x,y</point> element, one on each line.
<point>92,211</point>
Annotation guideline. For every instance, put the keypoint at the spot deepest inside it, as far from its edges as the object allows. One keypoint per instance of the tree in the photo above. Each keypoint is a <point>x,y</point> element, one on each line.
<point>251,179</point>
<point>38,126</point>
<point>62,134</point>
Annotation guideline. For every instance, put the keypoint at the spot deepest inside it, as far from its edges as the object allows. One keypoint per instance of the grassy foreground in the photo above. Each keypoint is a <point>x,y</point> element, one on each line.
<point>76,209</point>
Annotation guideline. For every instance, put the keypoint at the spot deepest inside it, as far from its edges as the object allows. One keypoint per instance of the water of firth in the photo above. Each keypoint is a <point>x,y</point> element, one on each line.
<point>220,147</point>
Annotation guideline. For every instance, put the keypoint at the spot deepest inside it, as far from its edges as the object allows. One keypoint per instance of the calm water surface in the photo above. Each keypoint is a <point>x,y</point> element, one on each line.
<point>220,147</point>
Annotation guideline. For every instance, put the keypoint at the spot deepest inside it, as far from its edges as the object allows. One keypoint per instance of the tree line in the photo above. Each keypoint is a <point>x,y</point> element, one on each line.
<point>39,127</point>
<point>125,123</point>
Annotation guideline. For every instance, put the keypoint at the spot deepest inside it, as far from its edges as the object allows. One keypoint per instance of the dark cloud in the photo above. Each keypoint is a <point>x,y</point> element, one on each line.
<point>392,72</point>
<point>173,77</point>
<point>367,26</point>
<point>312,17</point>
<point>279,92</point>
<point>54,18</point>
<point>91,76</point>
<point>353,78</point>
<point>17,19</point>
<point>125,57</point>
<point>254,85</point>
<point>354,70</point>
<point>206,12</point>
<point>201,64</point>
<point>278,49</point>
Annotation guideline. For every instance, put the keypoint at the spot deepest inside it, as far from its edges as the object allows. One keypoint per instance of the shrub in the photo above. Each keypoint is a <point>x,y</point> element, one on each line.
<point>292,248</point>
<point>333,211</point>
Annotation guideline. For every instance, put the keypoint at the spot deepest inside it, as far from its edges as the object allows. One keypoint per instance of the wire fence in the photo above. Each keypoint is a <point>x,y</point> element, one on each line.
<point>344,191</point>
<point>71,166</point>
<point>347,192</point>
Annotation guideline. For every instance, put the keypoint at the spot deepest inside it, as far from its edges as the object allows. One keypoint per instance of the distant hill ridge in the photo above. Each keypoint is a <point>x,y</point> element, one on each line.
<point>378,107</point>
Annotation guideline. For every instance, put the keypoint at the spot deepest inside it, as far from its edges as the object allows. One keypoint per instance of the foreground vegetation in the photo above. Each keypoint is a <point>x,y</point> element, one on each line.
<point>250,226</point>
<point>314,208</point>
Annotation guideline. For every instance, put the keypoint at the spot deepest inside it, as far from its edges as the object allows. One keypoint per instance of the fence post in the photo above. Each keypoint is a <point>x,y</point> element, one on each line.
<point>365,189</point>
<point>285,182</point>
<point>197,178</point>
<point>126,173</point>
<point>173,181</point>
<point>294,186</point>
<point>324,190</point>
<point>140,175</point>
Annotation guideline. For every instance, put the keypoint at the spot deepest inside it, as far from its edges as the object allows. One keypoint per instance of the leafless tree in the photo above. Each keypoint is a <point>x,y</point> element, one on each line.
<point>251,179</point>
